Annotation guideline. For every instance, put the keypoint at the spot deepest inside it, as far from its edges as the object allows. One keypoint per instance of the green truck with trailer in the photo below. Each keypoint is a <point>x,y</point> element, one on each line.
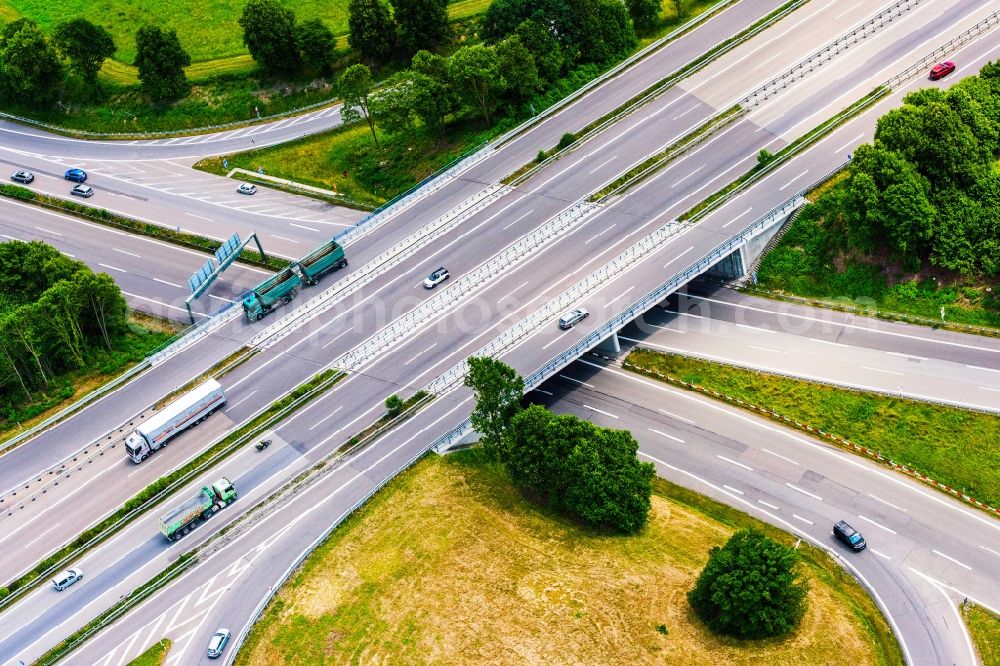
<point>279,288</point>
<point>327,257</point>
<point>184,518</point>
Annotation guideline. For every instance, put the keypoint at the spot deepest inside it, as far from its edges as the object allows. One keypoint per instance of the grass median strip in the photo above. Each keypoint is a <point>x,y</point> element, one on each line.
<point>132,225</point>
<point>956,447</point>
<point>457,562</point>
<point>984,627</point>
<point>154,656</point>
<point>159,489</point>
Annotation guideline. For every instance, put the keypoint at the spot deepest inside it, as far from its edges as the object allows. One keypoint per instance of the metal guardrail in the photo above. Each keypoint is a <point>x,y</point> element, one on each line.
<point>978,29</point>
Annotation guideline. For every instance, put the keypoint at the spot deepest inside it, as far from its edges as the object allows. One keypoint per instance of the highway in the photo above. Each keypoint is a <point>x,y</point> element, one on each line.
<point>424,354</point>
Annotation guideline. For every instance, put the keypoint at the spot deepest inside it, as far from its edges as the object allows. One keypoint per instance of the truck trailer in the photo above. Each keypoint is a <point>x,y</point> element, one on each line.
<point>327,257</point>
<point>184,518</point>
<point>192,407</point>
<point>279,288</point>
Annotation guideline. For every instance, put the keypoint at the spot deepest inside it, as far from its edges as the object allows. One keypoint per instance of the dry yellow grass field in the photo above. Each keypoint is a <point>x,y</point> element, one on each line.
<point>450,565</point>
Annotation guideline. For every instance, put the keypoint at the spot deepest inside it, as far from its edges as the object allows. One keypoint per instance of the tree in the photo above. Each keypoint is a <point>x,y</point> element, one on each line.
<point>615,35</point>
<point>422,23</point>
<point>269,35</point>
<point>645,14</point>
<point>749,588</point>
<point>30,70</point>
<point>161,62</point>
<point>372,29</point>
<point>392,105</point>
<point>498,390</point>
<point>543,47</point>
<point>355,88</point>
<point>431,93</point>
<point>86,46</point>
<point>394,404</point>
<point>477,77</point>
<point>516,61</point>
<point>315,43</point>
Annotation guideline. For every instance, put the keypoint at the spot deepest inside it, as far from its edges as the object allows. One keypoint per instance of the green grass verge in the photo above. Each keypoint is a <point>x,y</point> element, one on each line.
<point>169,483</point>
<point>984,627</point>
<point>144,336</point>
<point>373,175</point>
<point>956,447</point>
<point>116,221</point>
<point>459,563</point>
<point>154,656</point>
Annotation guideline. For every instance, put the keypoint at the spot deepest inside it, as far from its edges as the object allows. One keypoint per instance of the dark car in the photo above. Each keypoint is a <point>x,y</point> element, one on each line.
<point>22,176</point>
<point>82,191</point>
<point>942,69</point>
<point>78,175</point>
<point>848,535</point>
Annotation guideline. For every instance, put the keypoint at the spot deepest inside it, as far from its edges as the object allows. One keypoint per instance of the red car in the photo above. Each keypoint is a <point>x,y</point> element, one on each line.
<point>942,69</point>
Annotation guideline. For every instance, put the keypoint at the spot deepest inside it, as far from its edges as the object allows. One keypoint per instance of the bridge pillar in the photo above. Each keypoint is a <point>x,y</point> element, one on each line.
<point>730,267</point>
<point>610,345</point>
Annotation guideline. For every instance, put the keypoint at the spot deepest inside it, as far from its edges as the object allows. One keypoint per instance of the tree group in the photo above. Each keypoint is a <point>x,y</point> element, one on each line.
<point>53,312</point>
<point>750,588</point>
<point>927,188</point>
<point>280,45</point>
<point>589,473</point>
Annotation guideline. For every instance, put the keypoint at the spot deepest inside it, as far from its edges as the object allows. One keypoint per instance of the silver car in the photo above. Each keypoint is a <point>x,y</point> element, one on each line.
<point>67,578</point>
<point>217,645</point>
<point>246,188</point>
<point>82,190</point>
<point>22,176</point>
<point>572,318</point>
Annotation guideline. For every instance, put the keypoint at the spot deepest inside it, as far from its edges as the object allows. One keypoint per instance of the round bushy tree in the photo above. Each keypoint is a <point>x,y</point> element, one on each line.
<point>269,35</point>
<point>749,588</point>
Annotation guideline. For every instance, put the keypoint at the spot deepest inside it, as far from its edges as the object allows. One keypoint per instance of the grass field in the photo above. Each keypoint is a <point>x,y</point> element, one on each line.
<point>346,160</point>
<point>154,656</point>
<point>985,629</point>
<point>957,447</point>
<point>448,564</point>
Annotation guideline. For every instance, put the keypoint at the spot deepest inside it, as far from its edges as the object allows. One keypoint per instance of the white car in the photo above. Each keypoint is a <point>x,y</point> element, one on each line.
<point>572,318</point>
<point>67,578</point>
<point>246,188</point>
<point>218,643</point>
<point>436,278</point>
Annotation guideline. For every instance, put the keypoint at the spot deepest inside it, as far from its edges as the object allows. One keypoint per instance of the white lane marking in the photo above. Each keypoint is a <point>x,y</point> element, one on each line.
<point>804,520</point>
<point>619,296</point>
<point>283,238</point>
<point>43,534</point>
<point>803,491</point>
<point>601,233</point>
<point>738,492</point>
<point>829,342</point>
<point>516,288</point>
<point>879,525</point>
<point>577,381</point>
<point>755,328</point>
<point>852,142</point>
<point>985,388</point>
<point>678,182</point>
<point>680,418</point>
<point>318,423</point>
<point>240,402</point>
<point>419,354</point>
<point>599,411</point>
<point>337,338</point>
<point>778,455</point>
<point>979,367</point>
<point>131,254</point>
<point>990,550</point>
<point>887,503</point>
<point>686,112</point>
<point>302,226</point>
<point>786,185</point>
<point>888,372</point>
<point>603,164</point>
<point>121,270</point>
<point>767,504</point>
<point>543,391</point>
<point>169,284</point>
<point>200,217</point>
<point>658,432</point>
<point>902,355</point>
<point>678,256</point>
<point>974,658</point>
<point>734,462</point>
<point>882,555</point>
<point>48,231</point>
<point>551,342</point>
<point>767,349</point>
<point>518,219</point>
<point>737,217</point>
<point>153,300</point>
<point>949,557</point>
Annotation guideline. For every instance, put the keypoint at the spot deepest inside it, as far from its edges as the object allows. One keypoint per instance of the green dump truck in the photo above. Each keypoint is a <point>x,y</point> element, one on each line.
<point>327,257</point>
<point>184,518</point>
<point>271,292</point>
